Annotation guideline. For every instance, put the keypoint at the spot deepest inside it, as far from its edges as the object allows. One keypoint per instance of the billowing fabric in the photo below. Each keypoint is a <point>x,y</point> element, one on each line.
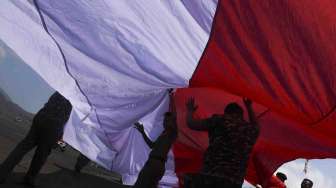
<point>280,54</point>
<point>281,139</point>
<point>115,60</point>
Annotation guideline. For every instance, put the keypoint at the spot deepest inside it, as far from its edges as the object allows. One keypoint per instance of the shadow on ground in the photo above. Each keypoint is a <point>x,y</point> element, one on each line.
<point>63,178</point>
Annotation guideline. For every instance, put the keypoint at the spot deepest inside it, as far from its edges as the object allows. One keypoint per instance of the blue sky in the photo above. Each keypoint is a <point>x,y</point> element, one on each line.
<point>20,82</point>
<point>28,90</point>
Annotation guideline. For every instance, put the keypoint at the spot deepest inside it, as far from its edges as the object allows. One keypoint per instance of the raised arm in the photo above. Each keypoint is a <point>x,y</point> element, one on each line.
<point>194,124</point>
<point>251,114</point>
<point>140,128</point>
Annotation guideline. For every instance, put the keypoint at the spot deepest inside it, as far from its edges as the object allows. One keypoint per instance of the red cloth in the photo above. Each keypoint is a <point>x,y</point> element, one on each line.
<point>275,182</point>
<point>281,139</point>
<point>280,54</point>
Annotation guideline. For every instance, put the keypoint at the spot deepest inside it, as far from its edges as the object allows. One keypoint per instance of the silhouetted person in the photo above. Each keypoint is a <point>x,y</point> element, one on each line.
<point>231,140</point>
<point>277,181</point>
<point>46,130</point>
<point>154,168</point>
<point>281,176</point>
<point>307,183</point>
<point>81,162</point>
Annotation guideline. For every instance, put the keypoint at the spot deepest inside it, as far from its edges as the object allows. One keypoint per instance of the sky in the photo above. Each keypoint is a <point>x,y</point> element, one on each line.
<point>30,91</point>
<point>321,172</point>
<point>20,82</point>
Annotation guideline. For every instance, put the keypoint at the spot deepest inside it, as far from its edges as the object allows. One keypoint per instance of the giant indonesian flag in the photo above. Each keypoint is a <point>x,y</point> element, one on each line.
<point>114,60</point>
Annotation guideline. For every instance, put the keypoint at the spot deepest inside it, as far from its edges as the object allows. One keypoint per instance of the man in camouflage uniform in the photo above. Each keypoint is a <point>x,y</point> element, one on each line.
<point>46,130</point>
<point>231,140</point>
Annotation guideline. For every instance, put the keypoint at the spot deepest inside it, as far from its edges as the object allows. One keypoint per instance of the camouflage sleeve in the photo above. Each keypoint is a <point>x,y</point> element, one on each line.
<point>212,121</point>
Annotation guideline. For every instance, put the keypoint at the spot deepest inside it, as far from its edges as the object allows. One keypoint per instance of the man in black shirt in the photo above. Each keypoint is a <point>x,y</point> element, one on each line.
<point>154,168</point>
<point>231,140</point>
<point>46,130</point>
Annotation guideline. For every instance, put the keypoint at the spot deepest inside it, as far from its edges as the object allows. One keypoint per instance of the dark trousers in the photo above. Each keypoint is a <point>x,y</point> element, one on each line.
<point>42,135</point>
<point>82,161</point>
<point>150,174</point>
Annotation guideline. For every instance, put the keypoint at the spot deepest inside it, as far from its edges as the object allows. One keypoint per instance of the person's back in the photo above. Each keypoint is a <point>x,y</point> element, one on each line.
<point>50,120</point>
<point>231,140</point>
<point>56,109</point>
<point>46,130</point>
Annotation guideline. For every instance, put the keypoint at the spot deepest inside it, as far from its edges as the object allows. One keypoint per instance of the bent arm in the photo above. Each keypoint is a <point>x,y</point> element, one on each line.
<point>148,141</point>
<point>250,111</point>
<point>194,124</point>
<point>252,117</point>
<point>141,129</point>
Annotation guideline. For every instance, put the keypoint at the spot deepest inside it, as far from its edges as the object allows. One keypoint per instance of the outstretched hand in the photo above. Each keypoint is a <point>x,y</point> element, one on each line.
<point>191,106</point>
<point>139,127</point>
<point>247,101</point>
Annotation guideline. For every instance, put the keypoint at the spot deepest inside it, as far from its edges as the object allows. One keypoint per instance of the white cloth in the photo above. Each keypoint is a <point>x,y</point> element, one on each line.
<point>124,55</point>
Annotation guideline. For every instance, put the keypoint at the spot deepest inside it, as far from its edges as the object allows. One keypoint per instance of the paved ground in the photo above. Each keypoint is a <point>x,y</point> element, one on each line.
<point>57,173</point>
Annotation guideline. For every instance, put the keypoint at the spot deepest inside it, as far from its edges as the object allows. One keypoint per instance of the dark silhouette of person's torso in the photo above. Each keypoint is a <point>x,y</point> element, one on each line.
<point>50,120</point>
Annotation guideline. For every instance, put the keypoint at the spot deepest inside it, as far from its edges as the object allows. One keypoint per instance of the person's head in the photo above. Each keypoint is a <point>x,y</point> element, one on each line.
<point>281,176</point>
<point>169,120</point>
<point>307,183</point>
<point>233,109</point>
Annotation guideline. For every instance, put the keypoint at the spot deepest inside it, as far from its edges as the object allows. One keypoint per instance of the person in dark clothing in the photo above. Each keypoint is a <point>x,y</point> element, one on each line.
<point>277,181</point>
<point>281,176</point>
<point>81,162</point>
<point>46,130</point>
<point>231,140</point>
<point>307,183</point>
<point>154,168</point>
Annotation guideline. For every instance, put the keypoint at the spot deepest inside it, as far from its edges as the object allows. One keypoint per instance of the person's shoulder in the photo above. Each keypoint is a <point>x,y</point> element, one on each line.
<point>251,128</point>
<point>54,98</point>
<point>212,121</point>
<point>216,116</point>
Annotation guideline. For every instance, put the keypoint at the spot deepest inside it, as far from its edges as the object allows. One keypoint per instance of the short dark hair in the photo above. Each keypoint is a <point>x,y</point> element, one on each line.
<point>307,182</point>
<point>233,108</point>
<point>281,176</point>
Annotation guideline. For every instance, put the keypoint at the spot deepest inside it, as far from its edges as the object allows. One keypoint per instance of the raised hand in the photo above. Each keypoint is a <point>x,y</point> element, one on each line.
<point>191,107</point>
<point>139,127</point>
<point>251,114</point>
